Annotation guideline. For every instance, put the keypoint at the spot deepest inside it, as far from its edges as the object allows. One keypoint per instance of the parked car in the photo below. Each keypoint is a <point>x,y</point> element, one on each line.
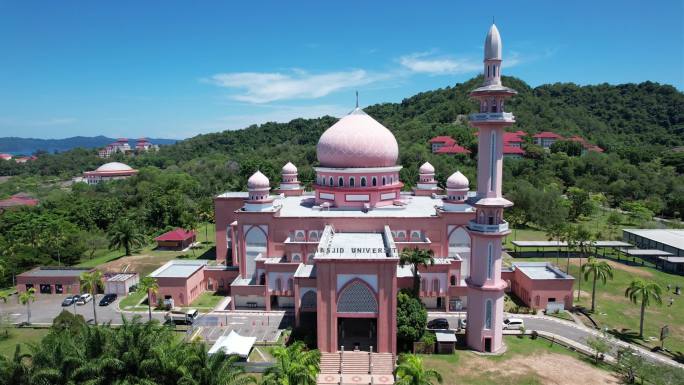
<point>438,324</point>
<point>178,316</point>
<point>84,298</point>
<point>107,299</point>
<point>70,299</point>
<point>513,324</point>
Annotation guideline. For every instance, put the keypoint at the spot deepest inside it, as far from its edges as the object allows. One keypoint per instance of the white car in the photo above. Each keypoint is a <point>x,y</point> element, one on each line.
<point>180,316</point>
<point>84,298</point>
<point>513,324</point>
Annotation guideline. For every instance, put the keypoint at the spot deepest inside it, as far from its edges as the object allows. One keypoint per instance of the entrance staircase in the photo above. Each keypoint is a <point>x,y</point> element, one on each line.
<point>356,367</point>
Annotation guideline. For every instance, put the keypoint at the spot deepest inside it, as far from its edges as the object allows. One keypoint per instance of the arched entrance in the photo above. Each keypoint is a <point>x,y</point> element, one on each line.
<point>357,308</point>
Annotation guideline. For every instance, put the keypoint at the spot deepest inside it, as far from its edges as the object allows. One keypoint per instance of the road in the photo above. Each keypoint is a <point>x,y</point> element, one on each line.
<point>569,330</point>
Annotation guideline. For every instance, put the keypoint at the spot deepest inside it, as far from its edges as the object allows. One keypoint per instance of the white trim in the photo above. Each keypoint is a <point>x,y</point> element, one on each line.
<point>358,170</point>
<point>386,196</point>
<point>326,196</point>
<point>357,197</point>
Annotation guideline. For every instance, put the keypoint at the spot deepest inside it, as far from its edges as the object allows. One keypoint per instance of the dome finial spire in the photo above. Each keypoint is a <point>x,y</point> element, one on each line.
<point>357,98</point>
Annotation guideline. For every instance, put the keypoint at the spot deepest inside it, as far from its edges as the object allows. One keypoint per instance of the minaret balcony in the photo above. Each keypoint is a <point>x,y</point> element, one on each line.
<point>498,228</point>
<point>492,117</point>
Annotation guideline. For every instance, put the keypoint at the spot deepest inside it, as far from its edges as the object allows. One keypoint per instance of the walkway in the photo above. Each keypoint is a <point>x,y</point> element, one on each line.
<point>356,367</point>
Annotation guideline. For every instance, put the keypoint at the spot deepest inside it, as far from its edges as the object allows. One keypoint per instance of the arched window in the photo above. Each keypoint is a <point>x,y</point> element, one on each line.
<point>363,181</point>
<point>384,181</point>
<point>352,182</point>
<point>340,182</point>
<point>488,314</point>
<point>435,285</point>
<point>309,300</point>
<point>374,181</point>
<point>423,284</point>
<point>453,280</point>
<point>492,161</point>
<point>278,284</point>
<point>490,261</point>
<point>296,258</point>
<point>357,297</point>
<point>290,284</point>
<point>332,181</point>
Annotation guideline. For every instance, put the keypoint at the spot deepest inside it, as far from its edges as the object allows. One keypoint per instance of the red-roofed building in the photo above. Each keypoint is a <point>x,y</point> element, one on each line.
<point>453,149</point>
<point>17,200</point>
<point>546,139</point>
<point>177,239</point>
<point>441,141</point>
<point>5,156</point>
<point>24,159</point>
<point>513,152</point>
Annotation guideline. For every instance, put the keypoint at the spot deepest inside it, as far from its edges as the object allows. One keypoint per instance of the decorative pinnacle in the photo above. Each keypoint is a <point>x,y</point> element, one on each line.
<point>357,99</point>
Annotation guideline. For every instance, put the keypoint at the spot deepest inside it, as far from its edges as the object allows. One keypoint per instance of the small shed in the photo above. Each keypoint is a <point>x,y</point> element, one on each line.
<point>234,344</point>
<point>120,283</point>
<point>177,239</point>
<point>446,341</point>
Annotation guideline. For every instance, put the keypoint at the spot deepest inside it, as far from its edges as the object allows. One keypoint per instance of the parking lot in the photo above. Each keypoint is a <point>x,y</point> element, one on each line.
<point>47,307</point>
<point>266,327</point>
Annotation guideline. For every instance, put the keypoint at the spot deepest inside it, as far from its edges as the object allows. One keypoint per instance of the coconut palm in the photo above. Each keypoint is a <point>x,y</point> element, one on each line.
<point>556,232</point>
<point>214,369</point>
<point>148,285</point>
<point>294,365</point>
<point>15,370</point>
<point>124,233</point>
<point>416,257</point>
<point>92,283</point>
<point>599,270</point>
<point>582,239</point>
<point>411,371</point>
<point>26,298</point>
<point>644,292</point>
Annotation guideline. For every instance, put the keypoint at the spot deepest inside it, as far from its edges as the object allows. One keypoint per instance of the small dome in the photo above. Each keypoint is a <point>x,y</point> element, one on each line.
<point>258,181</point>
<point>289,168</point>
<point>114,166</point>
<point>458,181</point>
<point>357,140</point>
<point>493,44</point>
<point>426,168</point>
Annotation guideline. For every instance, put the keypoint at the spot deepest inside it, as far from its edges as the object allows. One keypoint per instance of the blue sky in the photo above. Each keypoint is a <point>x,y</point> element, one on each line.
<point>174,69</point>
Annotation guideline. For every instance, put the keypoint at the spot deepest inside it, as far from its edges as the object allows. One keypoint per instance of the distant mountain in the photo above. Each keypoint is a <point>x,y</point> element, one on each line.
<point>28,146</point>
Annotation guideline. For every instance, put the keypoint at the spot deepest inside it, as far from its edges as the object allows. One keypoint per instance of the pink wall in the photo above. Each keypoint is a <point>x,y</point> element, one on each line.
<point>225,214</point>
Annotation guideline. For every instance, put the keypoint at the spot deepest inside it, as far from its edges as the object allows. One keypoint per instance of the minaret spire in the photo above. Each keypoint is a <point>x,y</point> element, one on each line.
<point>485,286</point>
<point>357,98</point>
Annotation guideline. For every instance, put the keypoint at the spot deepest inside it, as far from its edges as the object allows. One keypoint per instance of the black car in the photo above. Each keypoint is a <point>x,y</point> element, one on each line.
<point>69,300</point>
<point>438,324</point>
<point>107,299</point>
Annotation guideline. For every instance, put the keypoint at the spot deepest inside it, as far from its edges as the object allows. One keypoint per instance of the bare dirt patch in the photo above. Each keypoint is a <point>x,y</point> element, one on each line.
<point>552,368</point>
<point>134,263</point>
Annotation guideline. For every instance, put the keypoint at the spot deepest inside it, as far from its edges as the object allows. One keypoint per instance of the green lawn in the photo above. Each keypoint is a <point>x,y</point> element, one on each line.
<point>131,300</point>
<point>614,311</point>
<point>21,336</point>
<point>521,364</point>
<point>207,300</point>
<point>205,235</point>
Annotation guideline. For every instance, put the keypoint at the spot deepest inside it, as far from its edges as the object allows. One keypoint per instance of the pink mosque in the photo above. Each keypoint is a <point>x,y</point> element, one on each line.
<point>331,255</point>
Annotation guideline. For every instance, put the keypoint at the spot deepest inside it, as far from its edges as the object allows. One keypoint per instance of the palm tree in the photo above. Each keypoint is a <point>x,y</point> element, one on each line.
<point>215,369</point>
<point>600,270</point>
<point>555,232</point>
<point>26,298</point>
<point>644,292</point>
<point>416,257</point>
<point>91,283</point>
<point>294,365</point>
<point>410,371</point>
<point>148,285</point>
<point>124,233</point>
<point>582,239</point>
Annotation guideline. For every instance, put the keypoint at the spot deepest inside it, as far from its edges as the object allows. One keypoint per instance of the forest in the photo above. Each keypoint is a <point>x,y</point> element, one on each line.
<point>640,127</point>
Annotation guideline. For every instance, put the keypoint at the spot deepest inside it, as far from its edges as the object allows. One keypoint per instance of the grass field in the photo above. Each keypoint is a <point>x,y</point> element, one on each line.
<point>614,311</point>
<point>23,337</point>
<point>205,235</point>
<point>207,300</point>
<point>526,361</point>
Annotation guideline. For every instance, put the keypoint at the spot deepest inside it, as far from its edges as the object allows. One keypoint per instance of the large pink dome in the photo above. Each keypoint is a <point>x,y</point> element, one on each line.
<point>357,140</point>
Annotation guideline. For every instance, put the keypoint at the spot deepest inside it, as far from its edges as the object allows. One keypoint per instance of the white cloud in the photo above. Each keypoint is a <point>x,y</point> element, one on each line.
<point>49,122</point>
<point>258,87</point>
<point>423,62</point>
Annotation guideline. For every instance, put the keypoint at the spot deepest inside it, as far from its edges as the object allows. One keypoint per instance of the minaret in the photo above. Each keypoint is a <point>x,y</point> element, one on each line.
<point>427,185</point>
<point>289,185</point>
<point>258,188</point>
<point>485,286</point>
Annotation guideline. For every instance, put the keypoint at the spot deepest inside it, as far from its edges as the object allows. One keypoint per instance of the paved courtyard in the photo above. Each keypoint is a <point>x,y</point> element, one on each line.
<point>266,327</point>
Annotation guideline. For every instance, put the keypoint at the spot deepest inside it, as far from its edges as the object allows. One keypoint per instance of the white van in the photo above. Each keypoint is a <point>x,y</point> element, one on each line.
<point>179,316</point>
<point>513,324</point>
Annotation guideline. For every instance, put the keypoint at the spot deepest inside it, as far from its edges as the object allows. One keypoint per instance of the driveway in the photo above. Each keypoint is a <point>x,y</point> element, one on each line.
<point>266,327</point>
